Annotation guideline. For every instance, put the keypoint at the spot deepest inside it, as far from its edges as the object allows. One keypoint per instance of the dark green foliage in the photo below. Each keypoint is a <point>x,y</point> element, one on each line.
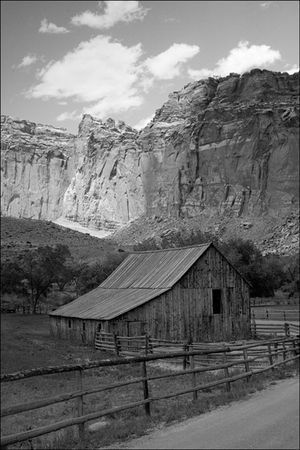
<point>92,275</point>
<point>264,273</point>
<point>40,269</point>
<point>11,277</point>
<point>34,272</point>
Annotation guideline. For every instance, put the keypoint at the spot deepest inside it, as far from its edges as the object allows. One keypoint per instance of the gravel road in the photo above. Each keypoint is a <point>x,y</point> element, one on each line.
<point>269,419</point>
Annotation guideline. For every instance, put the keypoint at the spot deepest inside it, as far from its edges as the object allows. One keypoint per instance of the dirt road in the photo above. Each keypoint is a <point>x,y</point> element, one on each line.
<point>267,420</point>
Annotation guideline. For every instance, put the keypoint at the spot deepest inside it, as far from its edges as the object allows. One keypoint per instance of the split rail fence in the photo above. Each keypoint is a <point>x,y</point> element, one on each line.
<point>251,358</point>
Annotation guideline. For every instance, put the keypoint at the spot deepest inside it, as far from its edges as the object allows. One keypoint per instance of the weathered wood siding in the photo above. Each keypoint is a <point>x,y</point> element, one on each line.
<point>186,311</point>
<point>76,329</point>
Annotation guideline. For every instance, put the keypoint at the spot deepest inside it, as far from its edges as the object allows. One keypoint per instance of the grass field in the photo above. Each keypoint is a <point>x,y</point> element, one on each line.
<point>26,343</point>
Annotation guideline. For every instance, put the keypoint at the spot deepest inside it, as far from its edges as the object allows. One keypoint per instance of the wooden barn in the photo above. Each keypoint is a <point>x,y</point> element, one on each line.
<point>179,293</point>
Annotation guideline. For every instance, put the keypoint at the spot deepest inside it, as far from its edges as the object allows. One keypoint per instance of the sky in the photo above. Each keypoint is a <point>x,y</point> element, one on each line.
<point>122,59</point>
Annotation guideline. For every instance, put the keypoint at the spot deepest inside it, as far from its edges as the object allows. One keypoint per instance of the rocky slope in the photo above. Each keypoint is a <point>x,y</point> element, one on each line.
<point>220,151</point>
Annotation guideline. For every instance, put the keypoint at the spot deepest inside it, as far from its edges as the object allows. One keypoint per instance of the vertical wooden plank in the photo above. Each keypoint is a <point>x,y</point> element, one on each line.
<point>226,370</point>
<point>80,404</point>
<point>145,388</point>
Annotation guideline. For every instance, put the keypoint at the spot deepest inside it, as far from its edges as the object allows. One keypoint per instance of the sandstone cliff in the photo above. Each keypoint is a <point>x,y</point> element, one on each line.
<point>36,163</point>
<point>226,146</point>
<point>231,144</point>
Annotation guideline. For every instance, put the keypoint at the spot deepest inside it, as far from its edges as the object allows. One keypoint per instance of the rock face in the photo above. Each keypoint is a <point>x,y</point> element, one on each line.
<point>231,144</point>
<point>106,189</point>
<point>228,145</point>
<point>36,163</point>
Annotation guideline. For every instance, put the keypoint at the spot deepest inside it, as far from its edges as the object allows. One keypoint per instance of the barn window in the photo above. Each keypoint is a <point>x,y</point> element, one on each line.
<point>83,326</point>
<point>69,323</point>
<point>217,301</point>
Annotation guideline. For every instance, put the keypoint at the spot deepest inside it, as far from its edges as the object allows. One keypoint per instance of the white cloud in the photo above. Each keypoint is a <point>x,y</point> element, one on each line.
<point>51,28</point>
<point>265,5</point>
<point>240,60</point>
<point>114,12</point>
<point>99,72</point>
<point>68,116</point>
<point>168,64</point>
<point>293,69</point>
<point>27,61</point>
<point>105,76</point>
<point>142,123</point>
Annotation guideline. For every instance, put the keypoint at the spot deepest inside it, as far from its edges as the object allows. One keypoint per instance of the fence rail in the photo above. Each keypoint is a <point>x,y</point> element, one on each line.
<point>275,314</point>
<point>25,309</point>
<point>226,357</point>
<point>285,328</point>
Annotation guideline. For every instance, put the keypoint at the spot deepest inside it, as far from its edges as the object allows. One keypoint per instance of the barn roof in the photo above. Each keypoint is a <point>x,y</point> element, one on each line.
<point>139,278</point>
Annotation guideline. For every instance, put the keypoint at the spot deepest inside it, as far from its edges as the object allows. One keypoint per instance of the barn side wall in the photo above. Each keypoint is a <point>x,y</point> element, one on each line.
<point>79,330</point>
<point>186,310</point>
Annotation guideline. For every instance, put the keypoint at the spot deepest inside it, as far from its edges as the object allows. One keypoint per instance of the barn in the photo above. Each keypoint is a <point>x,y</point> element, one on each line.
<point>180,293</point>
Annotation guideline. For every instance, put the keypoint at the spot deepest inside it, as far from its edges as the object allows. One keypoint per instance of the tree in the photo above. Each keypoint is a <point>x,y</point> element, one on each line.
<point>11,277</point>
<point>41,268</point>
<point>92,275</point>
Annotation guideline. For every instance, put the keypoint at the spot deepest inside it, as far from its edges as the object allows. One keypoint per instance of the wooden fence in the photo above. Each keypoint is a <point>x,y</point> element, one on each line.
<point>276,351</point>
<point>285,328</point>
<point>275,314</point>
<point>22,309</point>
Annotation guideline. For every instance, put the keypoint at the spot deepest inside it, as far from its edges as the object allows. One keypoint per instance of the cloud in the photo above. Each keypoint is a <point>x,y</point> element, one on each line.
<point>114,12</point>
<point>27,61</point>
<point>142,123</point>
<point>168,64</point>
<point>105,76</point>
<point>265,5</point>
<point>68,116</point>
<point>101,73</point>
<point>51,28</point>
<point>240,60</point>
<point>293,69</point>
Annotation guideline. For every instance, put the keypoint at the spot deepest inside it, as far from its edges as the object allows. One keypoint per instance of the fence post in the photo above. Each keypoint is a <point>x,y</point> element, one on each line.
<point>267,313</point>
<point>80,404</point>
<point>146,344</point>
<point>192,366</point>
<point>284,314</point>
<point>116,344</point>
<point>184,347</point>
<point>287,329</point>
<point>245,353</point>
<point>284,351</point>
<point>145,388</point>
<point>270,356</point>
<point>226,370</point>
<point>254,329</point>
<point>276,350</point>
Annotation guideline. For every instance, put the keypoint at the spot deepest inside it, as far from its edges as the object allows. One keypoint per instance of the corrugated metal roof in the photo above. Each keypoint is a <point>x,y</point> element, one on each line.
<point>139,278</point>
<point>159,269</point>
<point>105,304</point>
